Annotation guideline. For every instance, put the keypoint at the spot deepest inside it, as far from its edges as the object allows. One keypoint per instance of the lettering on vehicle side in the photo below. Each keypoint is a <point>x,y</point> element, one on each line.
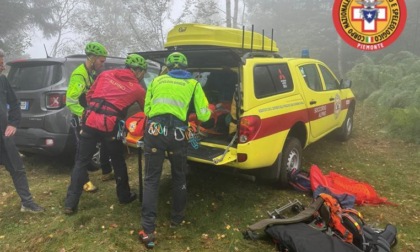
<point>280,122</point>
<point>321,111</point>
<point>278,107</point>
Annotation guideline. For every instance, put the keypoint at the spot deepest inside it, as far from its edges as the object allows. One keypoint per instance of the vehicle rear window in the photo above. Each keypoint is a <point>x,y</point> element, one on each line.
<point>271,80</point>
<point>34,75</point>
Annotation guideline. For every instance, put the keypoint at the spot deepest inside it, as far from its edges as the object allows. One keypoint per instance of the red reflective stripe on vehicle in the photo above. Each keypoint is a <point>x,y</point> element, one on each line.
<point>345,104</point>
<point>276,124</point>
<point>321,111</point>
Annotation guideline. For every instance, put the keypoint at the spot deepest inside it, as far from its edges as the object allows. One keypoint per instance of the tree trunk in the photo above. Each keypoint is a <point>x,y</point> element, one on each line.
<point>339,54</point>
<point>228,16</point>
<point>235,14</point>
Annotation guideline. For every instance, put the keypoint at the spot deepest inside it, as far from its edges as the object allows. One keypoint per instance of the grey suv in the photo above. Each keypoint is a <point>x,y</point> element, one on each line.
<point>41,86</point>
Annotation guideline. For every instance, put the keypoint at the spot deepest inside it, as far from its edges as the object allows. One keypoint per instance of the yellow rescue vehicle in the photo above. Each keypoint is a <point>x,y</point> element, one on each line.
<point>268,108</point>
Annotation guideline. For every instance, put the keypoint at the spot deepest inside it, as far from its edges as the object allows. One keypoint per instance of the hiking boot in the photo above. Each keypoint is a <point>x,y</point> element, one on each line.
<point>89,187</point>
<point>133,196</point>
<point>107,177</point>
<point>69,211</point>
<point>31,208</point>
<point>147,239</point>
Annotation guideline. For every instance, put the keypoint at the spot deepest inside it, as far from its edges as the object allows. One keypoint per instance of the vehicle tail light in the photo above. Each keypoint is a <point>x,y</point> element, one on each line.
<point>250,125</point>
<point>49,142</point>
<point>55,100</point>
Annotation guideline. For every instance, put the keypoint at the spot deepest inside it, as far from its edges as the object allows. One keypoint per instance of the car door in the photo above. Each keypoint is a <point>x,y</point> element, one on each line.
<point>334,95</point>
<point>319,101</point>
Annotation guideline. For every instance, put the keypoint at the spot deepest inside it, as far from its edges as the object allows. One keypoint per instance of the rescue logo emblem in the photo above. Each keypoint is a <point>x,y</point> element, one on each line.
<point>369,25</point>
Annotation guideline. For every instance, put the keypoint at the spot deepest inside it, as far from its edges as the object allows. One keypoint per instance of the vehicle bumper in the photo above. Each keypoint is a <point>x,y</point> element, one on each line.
<point>35,141</point>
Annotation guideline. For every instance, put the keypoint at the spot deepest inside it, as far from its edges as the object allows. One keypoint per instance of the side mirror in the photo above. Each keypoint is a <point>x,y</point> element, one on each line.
<point>345,84</point>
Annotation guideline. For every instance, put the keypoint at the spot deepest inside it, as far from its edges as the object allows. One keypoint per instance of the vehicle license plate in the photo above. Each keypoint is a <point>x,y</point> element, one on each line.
<point>24,105</point>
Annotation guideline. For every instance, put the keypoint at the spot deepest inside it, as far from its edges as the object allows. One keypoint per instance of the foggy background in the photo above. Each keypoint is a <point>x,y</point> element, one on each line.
<point>387,79</point>
<point>64,26</point>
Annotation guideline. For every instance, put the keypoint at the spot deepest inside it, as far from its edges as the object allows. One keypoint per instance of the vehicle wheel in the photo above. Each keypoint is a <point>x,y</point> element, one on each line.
<point>291,160</point>
<point>344,132</point>
<point>95,163</point>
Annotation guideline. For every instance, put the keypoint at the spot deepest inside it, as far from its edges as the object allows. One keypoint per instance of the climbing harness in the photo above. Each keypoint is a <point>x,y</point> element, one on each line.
<point>157,129</point>
<point>121,130</point>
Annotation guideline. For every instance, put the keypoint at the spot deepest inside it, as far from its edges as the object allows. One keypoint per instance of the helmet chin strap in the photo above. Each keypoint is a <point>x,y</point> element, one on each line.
<point>90,64</point>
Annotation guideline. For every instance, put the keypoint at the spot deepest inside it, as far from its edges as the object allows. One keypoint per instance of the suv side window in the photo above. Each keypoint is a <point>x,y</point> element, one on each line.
<point>330,82</point>
<point>271,80</point>
<point>311,76</point>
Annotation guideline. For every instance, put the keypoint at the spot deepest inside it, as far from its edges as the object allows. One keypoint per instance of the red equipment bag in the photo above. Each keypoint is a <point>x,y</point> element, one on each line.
<point>339,184</point>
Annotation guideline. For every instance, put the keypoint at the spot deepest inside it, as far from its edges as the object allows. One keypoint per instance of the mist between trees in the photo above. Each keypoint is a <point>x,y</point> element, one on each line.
<point>387,79</point>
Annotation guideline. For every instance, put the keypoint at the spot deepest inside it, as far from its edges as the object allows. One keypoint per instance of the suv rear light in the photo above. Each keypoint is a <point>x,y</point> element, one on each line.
<point>250,125</point>
<point>55,100</point>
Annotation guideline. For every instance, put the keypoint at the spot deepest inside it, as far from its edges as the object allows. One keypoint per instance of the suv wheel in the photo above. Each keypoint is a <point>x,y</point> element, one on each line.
<point>291,160</point>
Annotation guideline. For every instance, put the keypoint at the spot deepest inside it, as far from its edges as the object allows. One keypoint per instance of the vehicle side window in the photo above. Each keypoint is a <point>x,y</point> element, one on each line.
<point>271,80</point>
<point>331,83</point>
<point>33,76</point>
<point>311,76</point>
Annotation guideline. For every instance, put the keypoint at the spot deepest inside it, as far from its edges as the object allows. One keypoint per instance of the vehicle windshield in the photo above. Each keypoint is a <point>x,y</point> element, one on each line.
<point>34,76</point>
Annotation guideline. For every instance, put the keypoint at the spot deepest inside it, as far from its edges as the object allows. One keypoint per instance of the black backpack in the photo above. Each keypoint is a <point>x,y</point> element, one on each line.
<point>310,229</point>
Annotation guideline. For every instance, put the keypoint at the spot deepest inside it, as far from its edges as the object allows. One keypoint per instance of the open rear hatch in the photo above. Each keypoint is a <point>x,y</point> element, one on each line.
<point>216,149</point>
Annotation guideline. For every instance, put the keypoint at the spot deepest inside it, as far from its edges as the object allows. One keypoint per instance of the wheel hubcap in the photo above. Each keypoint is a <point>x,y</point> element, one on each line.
<point>293,161</point>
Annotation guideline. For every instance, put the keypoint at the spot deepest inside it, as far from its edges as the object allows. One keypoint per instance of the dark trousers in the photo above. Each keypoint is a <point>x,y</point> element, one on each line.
<point>86,149</point>
<point>103,151</point>
<point>18,174</point>
<point>154,153</point>
<point>104,159</point>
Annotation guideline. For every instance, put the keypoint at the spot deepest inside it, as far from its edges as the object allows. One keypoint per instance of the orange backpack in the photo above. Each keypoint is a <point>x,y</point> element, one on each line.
<point>135,128</point>
<point>335,221</point>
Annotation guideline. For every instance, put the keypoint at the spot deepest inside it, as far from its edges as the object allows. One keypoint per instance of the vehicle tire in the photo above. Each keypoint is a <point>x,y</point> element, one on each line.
<point>291,160</point>
<point>344,132</point>
<point>95,163</point>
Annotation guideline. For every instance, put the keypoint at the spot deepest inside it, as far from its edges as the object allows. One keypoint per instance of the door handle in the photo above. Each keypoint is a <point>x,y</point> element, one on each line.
<point>312,102</point>
<point>332,99</point>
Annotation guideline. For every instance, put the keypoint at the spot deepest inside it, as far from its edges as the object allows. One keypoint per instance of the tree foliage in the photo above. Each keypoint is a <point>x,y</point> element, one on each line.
<point>387,78</point>
<point>391,84</point>
<point>18,17</point>
<point>124,26</point>
<point>64,12</point>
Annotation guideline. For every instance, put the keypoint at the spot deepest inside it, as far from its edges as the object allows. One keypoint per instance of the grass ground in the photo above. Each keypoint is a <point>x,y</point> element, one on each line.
<point>220,205</point>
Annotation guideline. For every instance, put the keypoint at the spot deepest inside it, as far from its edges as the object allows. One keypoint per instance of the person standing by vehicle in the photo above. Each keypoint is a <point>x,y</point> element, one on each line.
<point>109,98</point>
<point>10,115</point>
<point>80,81</point>
<point>167,102</point>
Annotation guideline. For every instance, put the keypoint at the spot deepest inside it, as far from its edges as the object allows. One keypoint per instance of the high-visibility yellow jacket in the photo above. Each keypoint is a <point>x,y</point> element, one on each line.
<point>79,83</point>
<point>171,93</point>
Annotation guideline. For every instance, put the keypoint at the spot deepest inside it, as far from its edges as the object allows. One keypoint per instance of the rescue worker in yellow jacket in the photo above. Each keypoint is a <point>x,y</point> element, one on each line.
<point>79,84</point>
<point>167,101</point>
